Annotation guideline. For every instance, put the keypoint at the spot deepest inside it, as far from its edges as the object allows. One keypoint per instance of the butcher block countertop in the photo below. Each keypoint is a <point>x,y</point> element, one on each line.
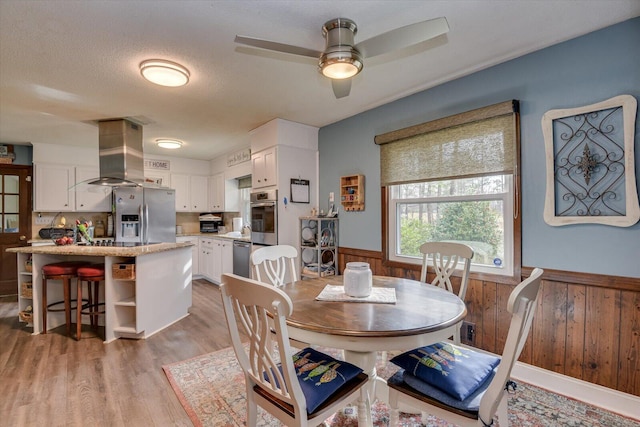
<point>124,251</point>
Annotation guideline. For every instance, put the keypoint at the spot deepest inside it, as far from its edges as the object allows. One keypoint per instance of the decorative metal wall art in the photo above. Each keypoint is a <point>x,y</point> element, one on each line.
<point>590,164</point>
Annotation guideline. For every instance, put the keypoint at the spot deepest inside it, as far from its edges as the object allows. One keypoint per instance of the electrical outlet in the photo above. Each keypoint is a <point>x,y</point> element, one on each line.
<point>43,220</point>
<point>468,333</point>
<point>331,196</point>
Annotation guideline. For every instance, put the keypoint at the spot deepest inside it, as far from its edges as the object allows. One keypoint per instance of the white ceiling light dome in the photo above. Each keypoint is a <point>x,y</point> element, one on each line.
<point>164,73</point>
<point>170,144</point>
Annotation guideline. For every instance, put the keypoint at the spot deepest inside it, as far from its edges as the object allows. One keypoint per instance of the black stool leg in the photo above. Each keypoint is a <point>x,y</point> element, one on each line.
<point>44,304</point>
<point>67,303</point>
<point>95,302</point>
<point>79,310</point>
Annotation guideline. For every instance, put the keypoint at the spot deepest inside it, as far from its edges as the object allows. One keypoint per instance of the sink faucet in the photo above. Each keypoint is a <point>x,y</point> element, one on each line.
<point>246,229</point>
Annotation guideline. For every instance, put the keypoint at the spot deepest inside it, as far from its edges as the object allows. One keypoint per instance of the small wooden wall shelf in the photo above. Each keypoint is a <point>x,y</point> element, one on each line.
<point>352,192</point>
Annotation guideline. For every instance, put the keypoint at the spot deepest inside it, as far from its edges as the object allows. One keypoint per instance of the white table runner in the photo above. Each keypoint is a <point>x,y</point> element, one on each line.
<point>378,295</point>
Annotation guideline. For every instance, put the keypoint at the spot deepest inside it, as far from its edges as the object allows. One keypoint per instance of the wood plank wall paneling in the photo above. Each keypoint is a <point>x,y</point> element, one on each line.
<point>602,336</point>
<point>629,372</point>
<point>550,333</point>
<point>576,318</point>
<point>586,326</point>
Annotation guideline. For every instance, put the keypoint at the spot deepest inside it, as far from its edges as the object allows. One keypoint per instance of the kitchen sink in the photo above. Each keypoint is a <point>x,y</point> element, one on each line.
<point>235,234</point>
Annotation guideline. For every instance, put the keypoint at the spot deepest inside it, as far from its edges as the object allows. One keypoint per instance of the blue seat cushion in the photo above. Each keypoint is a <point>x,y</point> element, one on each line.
<point>455,370</point>
<point>470,404</point>
<point>320,375</point>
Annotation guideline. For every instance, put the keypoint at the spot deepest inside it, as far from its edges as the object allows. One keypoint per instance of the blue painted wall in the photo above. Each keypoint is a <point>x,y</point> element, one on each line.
<point>575,73</point>
<point>24,154</point>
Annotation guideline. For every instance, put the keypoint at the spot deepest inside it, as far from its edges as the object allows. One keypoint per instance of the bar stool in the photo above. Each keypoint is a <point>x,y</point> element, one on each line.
<point>92,274</point>
<point>64,271</point>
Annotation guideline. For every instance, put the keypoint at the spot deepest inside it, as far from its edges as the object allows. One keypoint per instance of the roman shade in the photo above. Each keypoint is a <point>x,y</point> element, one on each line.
<point>476,143</point>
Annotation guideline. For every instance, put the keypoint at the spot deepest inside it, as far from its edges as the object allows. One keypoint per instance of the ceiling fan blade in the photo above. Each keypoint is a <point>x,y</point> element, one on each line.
<point>403,37</point>
<point>341,88</point>
<point>279,47</point>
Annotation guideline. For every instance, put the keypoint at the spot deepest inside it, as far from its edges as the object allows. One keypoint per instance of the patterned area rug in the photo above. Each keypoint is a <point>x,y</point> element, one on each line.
<point>211,390</point>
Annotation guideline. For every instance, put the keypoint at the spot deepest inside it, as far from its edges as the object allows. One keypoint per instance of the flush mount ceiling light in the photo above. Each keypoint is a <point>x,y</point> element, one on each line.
<point>171,144</point>
<point>164,73</point>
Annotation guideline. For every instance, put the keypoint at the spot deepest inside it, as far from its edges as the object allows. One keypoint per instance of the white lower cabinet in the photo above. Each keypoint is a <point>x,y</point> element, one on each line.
<point>216,258</point>
<point>206,257</point>
<point>195,252</point>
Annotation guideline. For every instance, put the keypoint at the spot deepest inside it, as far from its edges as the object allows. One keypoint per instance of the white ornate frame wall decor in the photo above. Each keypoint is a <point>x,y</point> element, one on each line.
<point>590,164</point>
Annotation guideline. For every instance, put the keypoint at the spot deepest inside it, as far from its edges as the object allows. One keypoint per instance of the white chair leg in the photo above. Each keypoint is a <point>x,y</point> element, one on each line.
<point>252,410</point>
<point>394,412</point>
<point>503,412</point>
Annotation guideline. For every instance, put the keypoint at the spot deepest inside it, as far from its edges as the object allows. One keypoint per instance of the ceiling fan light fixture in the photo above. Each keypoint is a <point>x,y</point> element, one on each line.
<point>170,144</point>
<point>341,65</point>
<point>164,73</point>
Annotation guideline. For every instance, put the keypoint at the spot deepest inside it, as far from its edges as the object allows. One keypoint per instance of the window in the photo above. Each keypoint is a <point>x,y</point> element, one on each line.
<point>244,186</point>
<point>469,210</point>
<point>455,179</point>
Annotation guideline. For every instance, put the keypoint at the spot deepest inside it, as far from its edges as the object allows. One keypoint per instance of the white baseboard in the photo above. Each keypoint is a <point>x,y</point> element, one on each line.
<point>615,401</point>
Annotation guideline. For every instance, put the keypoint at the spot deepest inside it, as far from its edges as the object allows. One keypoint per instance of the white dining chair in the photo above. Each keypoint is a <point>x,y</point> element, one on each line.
<point>283,388</point>
<point>492,395</point>
<point>444,258</point>
<point>277,263</point>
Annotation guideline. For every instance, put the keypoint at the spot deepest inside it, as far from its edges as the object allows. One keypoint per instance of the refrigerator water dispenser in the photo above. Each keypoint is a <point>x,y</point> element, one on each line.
<point>130,226</point>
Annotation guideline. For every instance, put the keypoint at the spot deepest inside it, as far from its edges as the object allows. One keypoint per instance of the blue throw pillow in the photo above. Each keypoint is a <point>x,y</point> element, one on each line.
<point>455,370</point>
<point>321,375</point>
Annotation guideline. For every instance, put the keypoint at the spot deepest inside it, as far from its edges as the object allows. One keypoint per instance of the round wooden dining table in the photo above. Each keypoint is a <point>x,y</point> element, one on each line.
<point>421,315</point>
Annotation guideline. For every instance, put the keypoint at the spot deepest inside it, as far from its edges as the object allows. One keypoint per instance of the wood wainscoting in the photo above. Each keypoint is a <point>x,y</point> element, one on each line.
<point>586,326</point>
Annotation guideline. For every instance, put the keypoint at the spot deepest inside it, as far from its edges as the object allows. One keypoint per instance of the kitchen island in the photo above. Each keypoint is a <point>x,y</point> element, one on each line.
<point>153,292</point>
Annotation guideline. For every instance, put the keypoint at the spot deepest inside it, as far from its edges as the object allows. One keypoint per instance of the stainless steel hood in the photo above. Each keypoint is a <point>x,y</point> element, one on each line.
<point>121,154</point>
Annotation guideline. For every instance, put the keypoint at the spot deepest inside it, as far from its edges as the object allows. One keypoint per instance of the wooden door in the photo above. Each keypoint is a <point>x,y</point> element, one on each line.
<point>15,221</point>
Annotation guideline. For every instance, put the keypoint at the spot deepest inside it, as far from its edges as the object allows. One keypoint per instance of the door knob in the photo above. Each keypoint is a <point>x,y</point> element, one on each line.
<point>23,238</point>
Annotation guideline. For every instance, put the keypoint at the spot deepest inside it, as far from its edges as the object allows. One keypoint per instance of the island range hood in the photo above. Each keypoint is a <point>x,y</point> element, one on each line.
<point>121,154</point>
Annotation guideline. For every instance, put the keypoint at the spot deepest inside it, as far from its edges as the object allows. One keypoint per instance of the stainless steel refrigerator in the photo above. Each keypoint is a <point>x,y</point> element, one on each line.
<point>144,215</point>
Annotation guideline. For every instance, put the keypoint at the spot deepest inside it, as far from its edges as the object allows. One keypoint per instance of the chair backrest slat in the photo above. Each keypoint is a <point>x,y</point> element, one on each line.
<point>445,257</point>
<point>277,263</point>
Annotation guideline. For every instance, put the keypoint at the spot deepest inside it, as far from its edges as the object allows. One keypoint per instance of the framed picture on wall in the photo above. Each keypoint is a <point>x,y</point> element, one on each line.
<point>590,164</point>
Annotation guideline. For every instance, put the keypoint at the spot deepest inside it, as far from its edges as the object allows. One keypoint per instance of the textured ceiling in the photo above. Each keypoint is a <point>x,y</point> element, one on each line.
<point>65,64</point>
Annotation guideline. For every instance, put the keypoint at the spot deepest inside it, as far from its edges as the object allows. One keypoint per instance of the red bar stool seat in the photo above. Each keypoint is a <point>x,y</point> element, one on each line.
<point>64,271</point>
<point>92,274</point>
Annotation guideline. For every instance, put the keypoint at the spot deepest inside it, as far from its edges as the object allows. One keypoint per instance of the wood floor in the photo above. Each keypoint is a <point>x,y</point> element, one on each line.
<point>54,380</point>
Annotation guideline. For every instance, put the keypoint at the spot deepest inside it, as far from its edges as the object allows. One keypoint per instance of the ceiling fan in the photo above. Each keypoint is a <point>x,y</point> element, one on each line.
<point>342,59</point>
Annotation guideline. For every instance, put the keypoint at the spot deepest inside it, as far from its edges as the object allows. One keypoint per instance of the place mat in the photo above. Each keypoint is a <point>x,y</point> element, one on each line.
<point>378,295</point>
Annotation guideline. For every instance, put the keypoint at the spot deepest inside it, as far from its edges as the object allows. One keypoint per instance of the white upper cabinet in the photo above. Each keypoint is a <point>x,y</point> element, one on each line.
<point>53,188</point>
<point>264,168</point>
<point>198,192</point>
<point>181,183</point>
<point>91,198</point>
<point>191,192</point>
<point>216,192</point>
<point>64,188</point>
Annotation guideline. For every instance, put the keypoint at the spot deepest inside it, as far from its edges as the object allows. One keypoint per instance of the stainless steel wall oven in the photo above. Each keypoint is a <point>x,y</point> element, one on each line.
<point>264,217</point>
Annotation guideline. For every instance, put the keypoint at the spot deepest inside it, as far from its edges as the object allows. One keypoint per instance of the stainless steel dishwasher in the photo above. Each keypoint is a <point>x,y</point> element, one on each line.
<point>241,254</point>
